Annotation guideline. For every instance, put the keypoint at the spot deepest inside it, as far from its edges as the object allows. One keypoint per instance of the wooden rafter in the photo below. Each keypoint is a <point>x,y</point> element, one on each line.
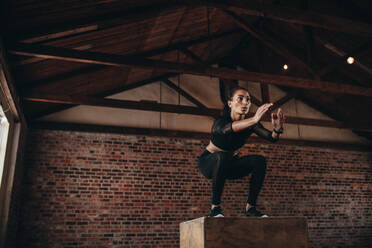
<point>93,68</point>
<point>273,45</point>
<point>192,55</point>
<point>112,19</point>
<point>255,8</point>
<point>125,87</point>
<point>154,52</point>
<point>124,104</point>
<point>295,16</point>
<point>355,78</point>
<point>244,41</point>
<point>58,35</point>
<point>106,93</point>
<point>309,37</point>
<point>63,76</point>
<point>123,61</point>
<point>9,88</point>
<point>180,109</point>
<point>277,103</point>
<point>314,104</point>
<point>343,55</point>
<point>35,59</point>
<point>230,83</point>
<point>138,84</point>
<point>184,93</point>
<point>265,95</point>
<point>283,100</point>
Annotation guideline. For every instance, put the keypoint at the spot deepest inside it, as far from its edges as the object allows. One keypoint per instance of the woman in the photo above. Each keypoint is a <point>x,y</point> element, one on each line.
<point>229,132</point>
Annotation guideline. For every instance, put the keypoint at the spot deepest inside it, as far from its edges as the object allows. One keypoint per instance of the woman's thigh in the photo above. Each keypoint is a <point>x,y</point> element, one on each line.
<point>242,166</point>
<point>209,162</point>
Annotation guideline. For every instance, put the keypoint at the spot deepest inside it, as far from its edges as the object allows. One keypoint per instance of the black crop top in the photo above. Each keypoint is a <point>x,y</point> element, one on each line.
<point>224,137</point>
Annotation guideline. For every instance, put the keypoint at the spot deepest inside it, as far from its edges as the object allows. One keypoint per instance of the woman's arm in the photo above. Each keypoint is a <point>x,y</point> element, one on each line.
<point>262,132</point>
<point>277,120</point>
<point>240,125</point>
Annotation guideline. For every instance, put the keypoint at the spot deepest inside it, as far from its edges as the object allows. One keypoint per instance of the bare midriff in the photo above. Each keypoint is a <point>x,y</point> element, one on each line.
<point>212,148</point>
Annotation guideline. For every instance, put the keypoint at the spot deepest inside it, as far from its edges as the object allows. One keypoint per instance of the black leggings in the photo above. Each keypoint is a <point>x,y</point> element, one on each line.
<point>220,166</point>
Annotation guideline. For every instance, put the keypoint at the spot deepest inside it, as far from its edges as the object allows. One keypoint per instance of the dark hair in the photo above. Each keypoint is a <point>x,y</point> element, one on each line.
<point>226,109</point>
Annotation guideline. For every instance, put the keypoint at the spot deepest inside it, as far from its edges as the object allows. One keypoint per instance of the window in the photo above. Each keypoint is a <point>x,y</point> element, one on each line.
<point>4,130</point>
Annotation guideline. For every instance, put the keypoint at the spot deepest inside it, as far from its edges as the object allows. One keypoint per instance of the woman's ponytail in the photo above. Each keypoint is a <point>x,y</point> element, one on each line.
<point>226,110</point>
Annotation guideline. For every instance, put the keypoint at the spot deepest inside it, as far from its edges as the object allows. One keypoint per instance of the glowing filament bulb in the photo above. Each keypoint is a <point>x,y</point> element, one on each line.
<point>350,60</point>
<point>285,67</point>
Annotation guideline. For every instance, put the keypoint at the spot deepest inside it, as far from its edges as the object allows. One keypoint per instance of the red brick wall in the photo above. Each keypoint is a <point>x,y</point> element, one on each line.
<point>111,190</point>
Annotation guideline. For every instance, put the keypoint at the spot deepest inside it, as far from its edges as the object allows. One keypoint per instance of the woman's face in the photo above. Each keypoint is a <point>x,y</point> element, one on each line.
<point>240,102</point>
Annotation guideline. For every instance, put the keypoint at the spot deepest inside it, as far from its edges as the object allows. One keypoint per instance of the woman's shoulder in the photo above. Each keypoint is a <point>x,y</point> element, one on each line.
<point>221,120</point>
<point>222,125</point>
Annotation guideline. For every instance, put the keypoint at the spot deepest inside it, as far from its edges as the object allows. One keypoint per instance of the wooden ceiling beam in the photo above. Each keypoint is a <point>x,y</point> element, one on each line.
<point>362,48</point>
<point>52,31</point>
<point>9,89</point>
<point>242,44</point>
<point>124,61</point>
<point>269,42</point>
<point>340,53</point>
<point>295,16</point>
<point>265,94</point>
<point>138,84</point>
<point>356,78</point>
<point>89,69</point>
<point>255,100</point>
<point>192,55</point>
<point>184,93</point>
<point>62,34</point>
<point>179,109</point>
<point>104,94</point>
<point>311,102</point>
<point>119,89</point>
<point>63,76</point>
<point>124,104</point>
<point>315,104</point>
<point>363,14</point>
<point>255,8</point>
<point>283,100</point>
<point>154,52</point>
<point>34,59</point>
<point>308,35</point>
<point>231,83</point>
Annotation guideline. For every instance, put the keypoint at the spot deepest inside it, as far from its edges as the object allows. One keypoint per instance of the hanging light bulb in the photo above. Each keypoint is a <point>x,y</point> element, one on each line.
<point>350,60</point>
<point>285,67</point>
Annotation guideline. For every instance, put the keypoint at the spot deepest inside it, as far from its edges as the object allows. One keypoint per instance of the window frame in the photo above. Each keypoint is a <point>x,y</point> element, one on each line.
<point>10,158</point>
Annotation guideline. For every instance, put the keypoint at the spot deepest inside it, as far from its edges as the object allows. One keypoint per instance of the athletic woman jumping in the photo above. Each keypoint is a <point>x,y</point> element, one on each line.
<point>229,133</point>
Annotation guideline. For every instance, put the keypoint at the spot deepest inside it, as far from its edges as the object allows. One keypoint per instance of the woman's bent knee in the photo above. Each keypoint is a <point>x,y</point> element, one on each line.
<point>260,162</point>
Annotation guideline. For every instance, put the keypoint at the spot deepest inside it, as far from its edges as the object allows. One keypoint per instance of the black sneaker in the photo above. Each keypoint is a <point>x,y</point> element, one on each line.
<point>253,212</point>
<point>216,212</point>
